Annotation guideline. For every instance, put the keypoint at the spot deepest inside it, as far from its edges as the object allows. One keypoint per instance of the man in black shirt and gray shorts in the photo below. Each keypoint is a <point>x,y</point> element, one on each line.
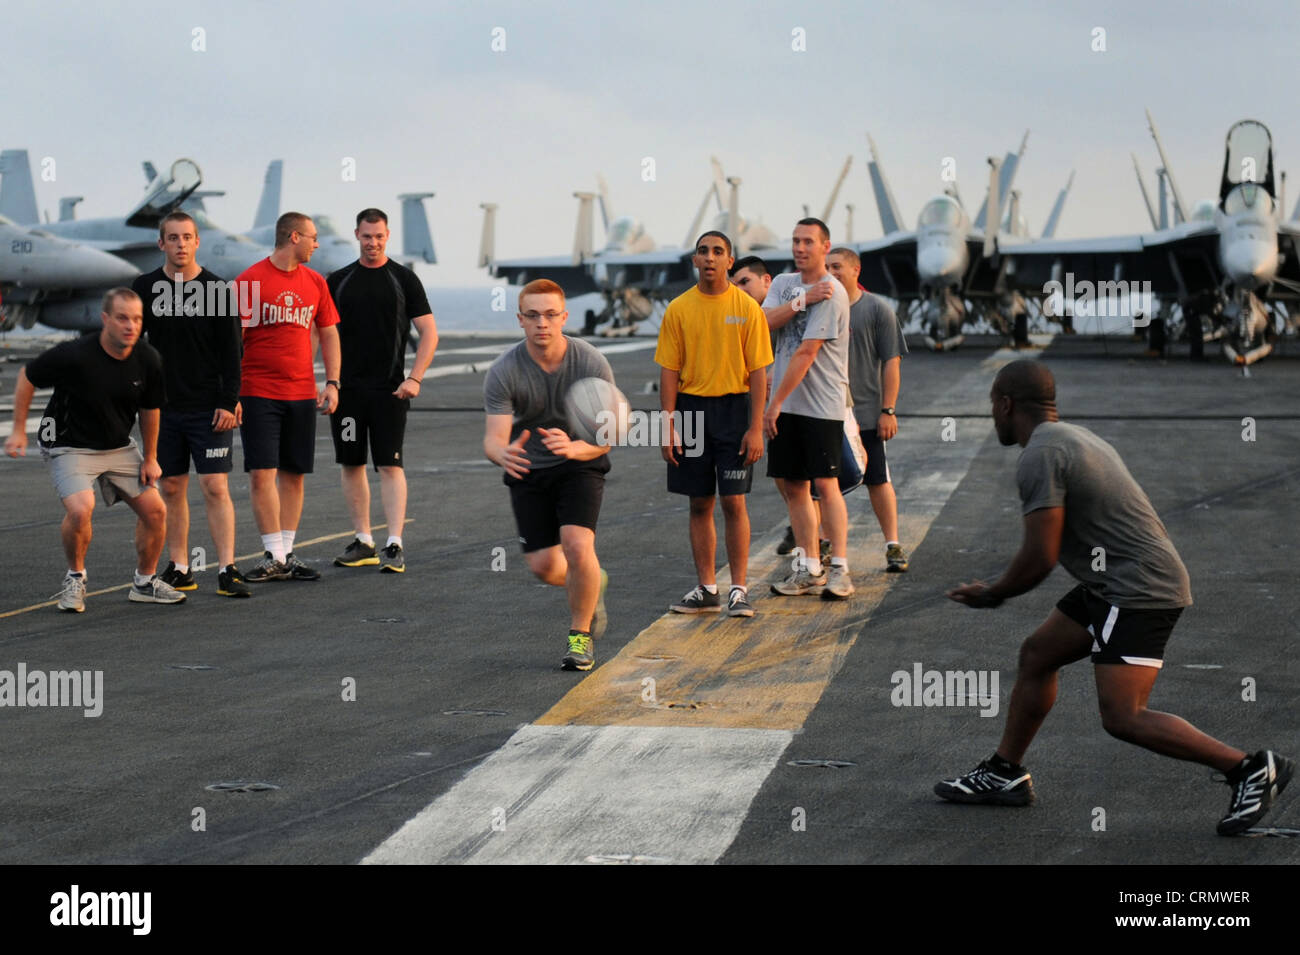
<point>100,384</point>
<point>378,300</point>
<point>1082,507</point>
<point>193,322</point>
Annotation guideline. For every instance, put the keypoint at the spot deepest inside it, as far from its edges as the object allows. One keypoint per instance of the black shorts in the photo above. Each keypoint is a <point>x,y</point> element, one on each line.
<point>186,435</point>
<point>877,466</point>
<point>366,416</point>
<point>278,434</point>
<point>548,498</point>
<point>805,448</point>
<point>1137,637</point>
<point>711,429</point>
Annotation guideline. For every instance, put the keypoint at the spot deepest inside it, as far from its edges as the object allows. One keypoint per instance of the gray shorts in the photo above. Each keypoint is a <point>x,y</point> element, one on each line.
<point>78,469</point>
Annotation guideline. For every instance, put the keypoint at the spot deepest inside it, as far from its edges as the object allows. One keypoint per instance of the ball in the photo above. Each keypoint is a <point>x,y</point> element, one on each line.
<point>598,412</point>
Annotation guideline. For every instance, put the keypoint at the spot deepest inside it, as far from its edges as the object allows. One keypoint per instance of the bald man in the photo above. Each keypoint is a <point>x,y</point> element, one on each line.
<point>1082,507</point>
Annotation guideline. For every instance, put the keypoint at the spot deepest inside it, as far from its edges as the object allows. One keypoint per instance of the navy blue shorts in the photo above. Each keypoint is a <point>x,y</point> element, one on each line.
<point>278,434</point>
<point>1119,635</point>
<point>187,435</point>
<point>366,416</point>
<point>877,466</point>
<point>711,429</point>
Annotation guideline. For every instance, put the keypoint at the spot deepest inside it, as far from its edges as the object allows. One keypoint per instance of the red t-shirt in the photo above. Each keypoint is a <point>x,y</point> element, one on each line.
<point>277,313</point>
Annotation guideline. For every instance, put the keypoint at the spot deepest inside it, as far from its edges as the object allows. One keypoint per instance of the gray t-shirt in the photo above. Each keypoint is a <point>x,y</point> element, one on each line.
<point>516,385</point>
<point>874,338</point>
<point>823,393</point>
<point>1064,465</point>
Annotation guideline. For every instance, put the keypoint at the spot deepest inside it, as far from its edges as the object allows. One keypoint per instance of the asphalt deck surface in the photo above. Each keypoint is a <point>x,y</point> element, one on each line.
<point>450,658</point>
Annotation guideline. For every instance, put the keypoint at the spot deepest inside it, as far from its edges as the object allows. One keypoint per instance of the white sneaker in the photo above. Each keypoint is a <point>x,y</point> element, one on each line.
<point>73,596</point>
<point>838,585</point>
<point>157,591</point>
<point>800,580</point>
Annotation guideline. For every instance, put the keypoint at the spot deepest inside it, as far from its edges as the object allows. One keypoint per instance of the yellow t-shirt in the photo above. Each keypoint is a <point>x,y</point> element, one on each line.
<point>713,342</point>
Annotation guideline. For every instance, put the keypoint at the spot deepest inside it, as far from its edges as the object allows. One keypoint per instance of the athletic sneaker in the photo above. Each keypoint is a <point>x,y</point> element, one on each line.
<point>393,562</point>
<point>984,784</point>
<point>298,570</point>
<point>800,581</point>
<point>357,554</point>
<point>838,584</point>
<point>787,542</point>
<point>157,591</point>
<point>582,653</point>
<point>599,620</point>
<point>738,604</point>
<point>268,568</point>
<point>1255,784</point>
<point>231,583</point>
<point>896,558</point>
<point>698,600</point>
<point>73,596</point>
<point>177,580</point>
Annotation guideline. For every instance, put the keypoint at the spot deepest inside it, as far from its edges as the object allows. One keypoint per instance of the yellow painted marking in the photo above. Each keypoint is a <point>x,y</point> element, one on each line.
<point>109,590</point>
<point>764,672</point>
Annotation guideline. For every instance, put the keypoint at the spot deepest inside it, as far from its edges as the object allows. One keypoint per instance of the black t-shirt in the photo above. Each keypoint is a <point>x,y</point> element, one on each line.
<point>375,311</point>
<point>198,338</point>
<point>96,396</point>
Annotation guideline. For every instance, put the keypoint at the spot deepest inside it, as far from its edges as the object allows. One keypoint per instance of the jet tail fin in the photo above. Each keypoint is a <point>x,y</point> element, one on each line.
<point>889,217</point>
<point>992,202</point>
<point>733,208</point>
<point>1007,178</point>
<point>583,245</point>
<point>1146,196</point>
<point>417,240</point>
<point>68,208</point>
<point>1180,209</point>
<point>835,190</point>
<point>488,240</point>
<point>268,206</point>
<point>150,171</point>
<point>17,194</point>
<point>1049,230</point>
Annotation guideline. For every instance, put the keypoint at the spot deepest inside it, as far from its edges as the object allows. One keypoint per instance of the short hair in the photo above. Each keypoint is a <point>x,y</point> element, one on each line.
<point>812,220</point>
<point>371,215</point>
<point>176,216</point>
<point>720,235</point>
<point>1028,381</point>
<point>849,254</point>
<point>754,264</point>
<point>540,287</point>
<point>113,294</point>
<point>287,225</point>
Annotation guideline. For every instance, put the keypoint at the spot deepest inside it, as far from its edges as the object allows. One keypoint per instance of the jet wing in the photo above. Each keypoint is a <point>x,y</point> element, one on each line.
<point>574,279</point>
<point>889,265</point>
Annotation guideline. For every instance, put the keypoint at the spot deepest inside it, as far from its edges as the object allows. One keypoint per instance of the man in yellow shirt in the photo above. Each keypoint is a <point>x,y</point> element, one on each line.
<point>713,353</point>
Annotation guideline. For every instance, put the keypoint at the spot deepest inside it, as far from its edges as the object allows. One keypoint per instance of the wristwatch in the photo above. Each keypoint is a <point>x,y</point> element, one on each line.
<point>886,410</point>
<point>331,381</point>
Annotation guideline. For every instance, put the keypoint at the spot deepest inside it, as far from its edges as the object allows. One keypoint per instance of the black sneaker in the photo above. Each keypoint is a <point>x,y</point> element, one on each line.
<point>176,580</point>
<point>738,604</point>
<point>1255,784</point>
<point>787,542</point>
<point>298,570</point>
<point>231,583</point>
<point>984,784</point>
<point>357,554</point>
<point>582,652</point>
<point>698,600</point>
<point>392,562</point>
<point>268,568</point>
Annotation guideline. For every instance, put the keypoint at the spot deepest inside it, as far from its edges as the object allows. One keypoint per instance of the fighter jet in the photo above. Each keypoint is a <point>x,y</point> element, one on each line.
<point>1237,262</point>
<point>948,266</point>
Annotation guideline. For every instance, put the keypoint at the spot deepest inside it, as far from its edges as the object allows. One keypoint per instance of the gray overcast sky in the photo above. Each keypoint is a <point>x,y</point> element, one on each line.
<point>416,95</point>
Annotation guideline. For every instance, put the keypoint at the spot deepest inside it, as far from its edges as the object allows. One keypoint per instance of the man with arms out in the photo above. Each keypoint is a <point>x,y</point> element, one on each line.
<point>875,353</point>
<point>713,350</point>
<point>556,482</point>
<point>804,421</point>
<point>378,300</point>
<point>1078,500</point>
<point>200,355</point>
<point>278,392</point>
<point>101,382</point>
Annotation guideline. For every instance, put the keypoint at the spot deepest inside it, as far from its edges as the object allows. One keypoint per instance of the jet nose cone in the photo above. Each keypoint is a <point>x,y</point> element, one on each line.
<point>1250,263</point>
<point>94,268</point>
<point>938,261</point>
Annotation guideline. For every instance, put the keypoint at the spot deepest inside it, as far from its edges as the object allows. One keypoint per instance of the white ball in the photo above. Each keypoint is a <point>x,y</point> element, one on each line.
<point>598,412</point>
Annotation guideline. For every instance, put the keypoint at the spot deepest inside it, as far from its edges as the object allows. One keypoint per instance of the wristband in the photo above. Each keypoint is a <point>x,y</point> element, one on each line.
<point>414,379</point>
<point>334,383</point>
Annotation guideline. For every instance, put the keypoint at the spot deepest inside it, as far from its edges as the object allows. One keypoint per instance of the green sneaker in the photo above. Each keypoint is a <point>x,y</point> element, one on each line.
<point>581,655</point>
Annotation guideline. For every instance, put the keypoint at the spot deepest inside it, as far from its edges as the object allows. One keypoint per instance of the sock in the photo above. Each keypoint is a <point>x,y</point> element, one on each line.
<point>274,544</point>
<point>840,562</point>
<point>183,568</point>
<point>889,544</point>
<point>997,762</point>
<point>393,540</point>
<point>286,537</point>
<point>143,580</point>
<point>76,573</point>
<point>742,588</point>
<point>813,566</point>
<point>366,539</point>
<point>711,588</point>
